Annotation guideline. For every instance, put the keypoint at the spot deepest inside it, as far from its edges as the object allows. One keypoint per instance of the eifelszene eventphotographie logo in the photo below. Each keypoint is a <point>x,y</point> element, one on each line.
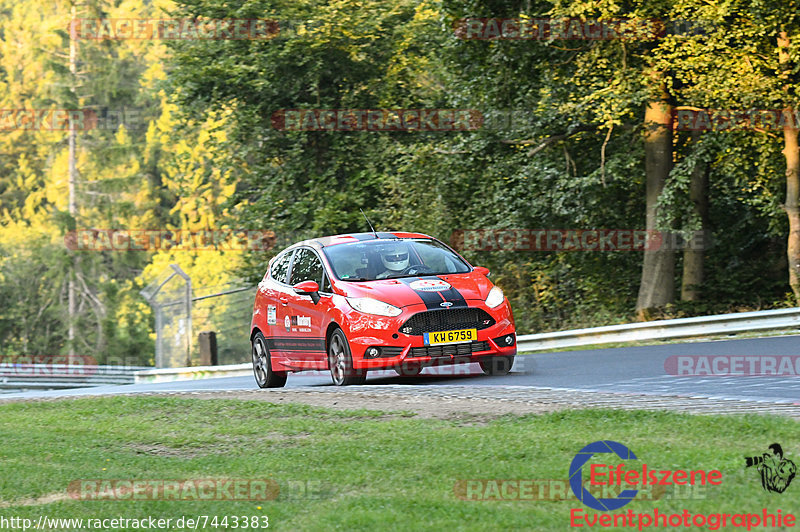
<point>624,478</point>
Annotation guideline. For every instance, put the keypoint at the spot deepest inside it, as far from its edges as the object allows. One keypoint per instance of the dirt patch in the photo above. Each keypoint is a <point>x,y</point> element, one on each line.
<point>44,499</point>
<point>159,449</point>
<point>204,449</point>
<point>466,411</point>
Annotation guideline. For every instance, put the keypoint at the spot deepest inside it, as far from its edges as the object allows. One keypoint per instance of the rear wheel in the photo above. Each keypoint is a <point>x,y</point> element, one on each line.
<point>497,365</point>
<point>262,365</point>
<point>340,361</point>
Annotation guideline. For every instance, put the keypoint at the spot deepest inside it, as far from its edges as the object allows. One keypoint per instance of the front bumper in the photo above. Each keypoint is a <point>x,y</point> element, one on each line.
<point>396,349</point>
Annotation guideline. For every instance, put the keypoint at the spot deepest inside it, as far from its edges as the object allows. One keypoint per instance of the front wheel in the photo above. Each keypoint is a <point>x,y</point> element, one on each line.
<point>340,362</point>
<point>497,365</point>
<point>262,365</point>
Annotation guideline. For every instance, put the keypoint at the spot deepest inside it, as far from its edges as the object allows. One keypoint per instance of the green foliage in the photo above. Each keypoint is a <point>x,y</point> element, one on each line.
<point>561,148</point>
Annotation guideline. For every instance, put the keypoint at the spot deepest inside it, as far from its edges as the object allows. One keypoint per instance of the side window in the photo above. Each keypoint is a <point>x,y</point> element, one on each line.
<point>307,267</point>
<point>278,269</point>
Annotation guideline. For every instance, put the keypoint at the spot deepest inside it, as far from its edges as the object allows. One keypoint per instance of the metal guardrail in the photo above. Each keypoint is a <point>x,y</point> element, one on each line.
<point>152,375</point>
<point>63,376</point>
<point>44,376</point>
<point>700,326</point>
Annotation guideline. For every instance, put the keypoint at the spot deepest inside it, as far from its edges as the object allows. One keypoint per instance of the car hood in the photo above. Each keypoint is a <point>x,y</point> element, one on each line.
<point>431,290</point>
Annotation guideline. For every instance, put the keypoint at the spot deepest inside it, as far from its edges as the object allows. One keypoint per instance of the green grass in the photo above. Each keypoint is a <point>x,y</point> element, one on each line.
<point>374,471</point>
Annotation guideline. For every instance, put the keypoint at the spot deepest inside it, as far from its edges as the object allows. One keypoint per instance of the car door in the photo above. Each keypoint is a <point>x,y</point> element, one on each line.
<point>305,320</point>
<point>272,301</point>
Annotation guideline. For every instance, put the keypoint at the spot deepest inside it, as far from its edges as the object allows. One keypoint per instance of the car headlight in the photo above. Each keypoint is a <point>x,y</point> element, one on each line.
<point>495,297</point>
<point>368,305</point>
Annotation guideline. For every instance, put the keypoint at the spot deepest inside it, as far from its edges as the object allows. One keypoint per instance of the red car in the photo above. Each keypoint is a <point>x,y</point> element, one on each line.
<point>352,303</point>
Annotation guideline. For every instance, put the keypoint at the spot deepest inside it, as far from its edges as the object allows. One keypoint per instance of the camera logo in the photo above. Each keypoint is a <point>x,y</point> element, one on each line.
<point>776,471</point>
<point>576,475</point>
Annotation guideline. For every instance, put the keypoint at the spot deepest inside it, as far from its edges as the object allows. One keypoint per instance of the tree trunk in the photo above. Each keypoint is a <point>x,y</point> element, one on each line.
<point>693,254</point>
<point>72,204</point>
<point>657,287</point>
<point>792,155</point>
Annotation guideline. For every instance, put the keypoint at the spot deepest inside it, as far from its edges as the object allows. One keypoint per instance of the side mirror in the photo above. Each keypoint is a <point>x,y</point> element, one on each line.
<point>308,288</point>
<point>483,271</point>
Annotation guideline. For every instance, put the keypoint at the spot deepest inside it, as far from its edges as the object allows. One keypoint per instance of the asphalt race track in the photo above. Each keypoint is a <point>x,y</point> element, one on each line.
<point>639,370</point>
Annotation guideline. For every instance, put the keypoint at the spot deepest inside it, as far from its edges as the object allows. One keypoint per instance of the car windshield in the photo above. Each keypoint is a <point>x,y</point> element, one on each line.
<point>390,259</point>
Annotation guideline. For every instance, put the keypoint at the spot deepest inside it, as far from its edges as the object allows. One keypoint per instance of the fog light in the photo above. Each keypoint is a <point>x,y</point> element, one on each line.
<point>373,352</point>
<point>506,341</point>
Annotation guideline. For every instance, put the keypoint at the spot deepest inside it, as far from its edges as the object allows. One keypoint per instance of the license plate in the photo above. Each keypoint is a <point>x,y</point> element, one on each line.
<point>451,337</point>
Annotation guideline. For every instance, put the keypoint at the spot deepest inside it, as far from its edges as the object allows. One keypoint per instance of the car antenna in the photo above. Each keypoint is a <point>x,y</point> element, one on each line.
<point>369,223</point>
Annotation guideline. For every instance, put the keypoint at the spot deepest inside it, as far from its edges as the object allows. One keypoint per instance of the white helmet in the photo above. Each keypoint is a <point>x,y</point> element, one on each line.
<point>395,257</point>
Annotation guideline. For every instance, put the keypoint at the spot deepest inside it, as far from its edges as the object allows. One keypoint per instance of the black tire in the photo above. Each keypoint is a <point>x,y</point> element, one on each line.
<point>497,365</point>
<point>340,361</point>
<point>262,365</point>
<point>409,369</point>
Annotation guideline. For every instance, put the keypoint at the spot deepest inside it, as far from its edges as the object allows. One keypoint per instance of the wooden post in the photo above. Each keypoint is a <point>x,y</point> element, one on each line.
<point>207,341</point>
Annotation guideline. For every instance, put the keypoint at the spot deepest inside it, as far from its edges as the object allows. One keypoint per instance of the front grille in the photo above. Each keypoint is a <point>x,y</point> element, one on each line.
<point>448,350</point>
<point>391,351</point>
<point>447,320</point>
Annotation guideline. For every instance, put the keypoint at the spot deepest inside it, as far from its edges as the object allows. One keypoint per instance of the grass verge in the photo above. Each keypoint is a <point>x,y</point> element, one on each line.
<point>362,470</point>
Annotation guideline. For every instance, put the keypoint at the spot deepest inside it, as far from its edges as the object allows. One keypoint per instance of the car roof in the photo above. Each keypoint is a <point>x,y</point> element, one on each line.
<point>333,240</point>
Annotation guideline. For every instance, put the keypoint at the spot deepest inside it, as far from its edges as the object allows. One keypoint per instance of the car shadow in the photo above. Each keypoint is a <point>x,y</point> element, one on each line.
<point>462,374</point>
<point>421,379</point>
